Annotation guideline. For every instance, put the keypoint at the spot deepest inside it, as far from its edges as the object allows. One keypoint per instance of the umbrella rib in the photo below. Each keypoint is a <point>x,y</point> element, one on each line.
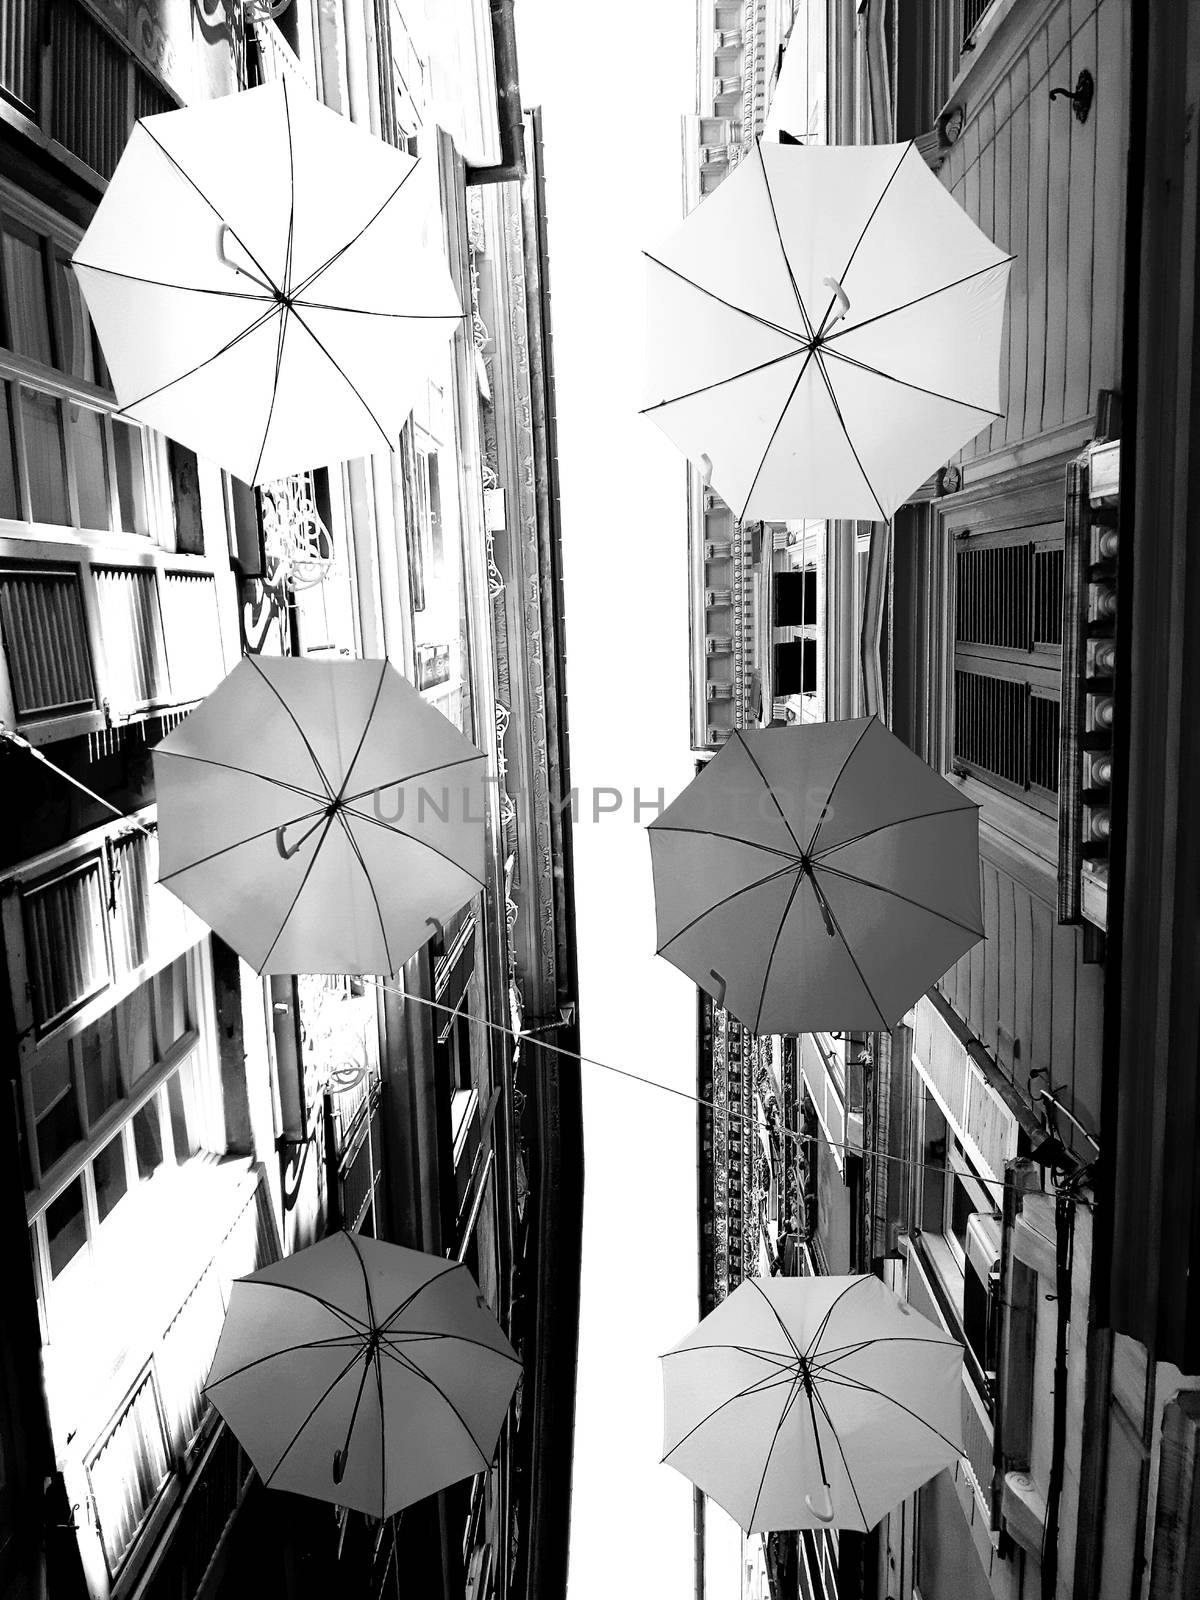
<point>819,1400</point>
<point>843,1380</point>
<point>246,772</point>
<point>841,278</point>
<point>762,1385</point>
<point>812,843</point>
<point>896,822</point>
<point>783,1416</point>
<point>690,394</point>
<point>316,1407</point>
<point>436,1277</point>
<point>312,754</point>
<point>804,317</point>
<point>350,243</point>
<point>918,905</point>
<point>394,783</point>
<point>833,399</point>
<point>274,391</point>
<point>237,844</point>
<point>771,792</point>
<point>339,798</point>
<point>889,377</point>
<point>711,833</point>
<point>774,1356</point>
<point>259,322</point>
<point>287,260</point>
<point>783,1327</point>
<point>189,179</point>
<point>779,424</point>
<point>916,301</point>
<point>708,910</point>
<point>181,288</point>
<point>299,891</point>
<point>367,311</point>
<point>810,1352</point>
<point>771,958</point>
<point>285,1350</point>
<point>390,827</point>
<point>424,1335</point>
<point>824,906</point>
<point>843,1352</point>
<point>353,1243</point>
<point>358,856</point>
<point>411,1366</point>
<point>776,327</point>
<point>348,1317</point>
<point>341,372</point>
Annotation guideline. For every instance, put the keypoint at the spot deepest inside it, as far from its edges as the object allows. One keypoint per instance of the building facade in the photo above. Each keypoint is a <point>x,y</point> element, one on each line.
<point>1008,1158</point>
<point>174,1121</point>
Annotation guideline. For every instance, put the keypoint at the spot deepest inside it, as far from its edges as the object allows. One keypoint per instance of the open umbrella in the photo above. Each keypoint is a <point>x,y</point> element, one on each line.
<point>261,275</point>
<point>825,329</point>
<point>363,1373</point>
<point>805,1402</point>
<point>319,815</point>
<point>816,877</point>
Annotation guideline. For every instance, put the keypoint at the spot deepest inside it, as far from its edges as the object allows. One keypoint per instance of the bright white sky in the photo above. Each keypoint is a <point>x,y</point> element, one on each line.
<point>612,97</point>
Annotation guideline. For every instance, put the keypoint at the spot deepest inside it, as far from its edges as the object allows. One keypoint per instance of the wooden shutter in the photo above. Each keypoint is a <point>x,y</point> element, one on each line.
<point>1008,588</point>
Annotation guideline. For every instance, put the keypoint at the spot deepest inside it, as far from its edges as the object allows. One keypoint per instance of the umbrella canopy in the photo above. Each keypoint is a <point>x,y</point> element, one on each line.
<point>825,329</point>
<point>816,877</point>
<point>319,814</point>
<point>805,1402</point>
<point>363,1373</point>
<point>260,277</point>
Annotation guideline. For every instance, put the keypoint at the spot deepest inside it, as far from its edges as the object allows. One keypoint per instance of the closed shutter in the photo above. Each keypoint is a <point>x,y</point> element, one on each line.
<point>1008,588</point>
<point>45,641</point>
<point>66,942</point>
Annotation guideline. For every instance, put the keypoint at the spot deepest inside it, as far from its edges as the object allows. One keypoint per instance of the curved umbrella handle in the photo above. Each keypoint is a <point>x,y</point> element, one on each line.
<point>339,1465</point>
<point>283,849</point>
<point>843,300</point>
<point>820,1504</point>
<point>719,997</point>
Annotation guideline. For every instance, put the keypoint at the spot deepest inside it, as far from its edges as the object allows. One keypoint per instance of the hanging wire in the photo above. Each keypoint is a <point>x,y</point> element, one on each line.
<point>19,742</point>
<point>787,1134</point>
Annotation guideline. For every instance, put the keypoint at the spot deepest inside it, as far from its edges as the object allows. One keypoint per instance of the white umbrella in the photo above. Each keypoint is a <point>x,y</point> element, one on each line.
<point>266,283</point>
<point>825,329</point>
<point>805,1402</point>
<point>363,1373</point>
<point>319,815</point>
<point>817,877</point>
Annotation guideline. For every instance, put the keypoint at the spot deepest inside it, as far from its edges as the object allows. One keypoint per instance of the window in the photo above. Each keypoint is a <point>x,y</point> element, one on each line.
<point>65,459</point>
<point>1008,596</point>
<point>960,1237</point>
<point>111,1105</point>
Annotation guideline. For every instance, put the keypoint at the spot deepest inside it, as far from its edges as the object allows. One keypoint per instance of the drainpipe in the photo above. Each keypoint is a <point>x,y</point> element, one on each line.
<point>1064,1229</point>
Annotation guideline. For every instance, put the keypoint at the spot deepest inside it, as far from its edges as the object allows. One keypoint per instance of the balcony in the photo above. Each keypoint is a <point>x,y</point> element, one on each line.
<point>973,13</point>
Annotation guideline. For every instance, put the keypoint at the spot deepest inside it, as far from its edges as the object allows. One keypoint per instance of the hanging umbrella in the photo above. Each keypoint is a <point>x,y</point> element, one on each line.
<point>816,877</point>
<point>805,1402</point>
<point>319,815</point>
<point>261,279</point>
<point>363,1373</point>
<point>825,329</point>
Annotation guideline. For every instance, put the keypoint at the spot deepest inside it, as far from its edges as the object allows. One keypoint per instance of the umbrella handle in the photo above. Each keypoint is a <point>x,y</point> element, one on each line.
<point>283,849</point>
<point>719,997</point>
<point>339,1465</point>
<point>821,1504</point>
<point>224,230</point>
<point>843,300</point>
